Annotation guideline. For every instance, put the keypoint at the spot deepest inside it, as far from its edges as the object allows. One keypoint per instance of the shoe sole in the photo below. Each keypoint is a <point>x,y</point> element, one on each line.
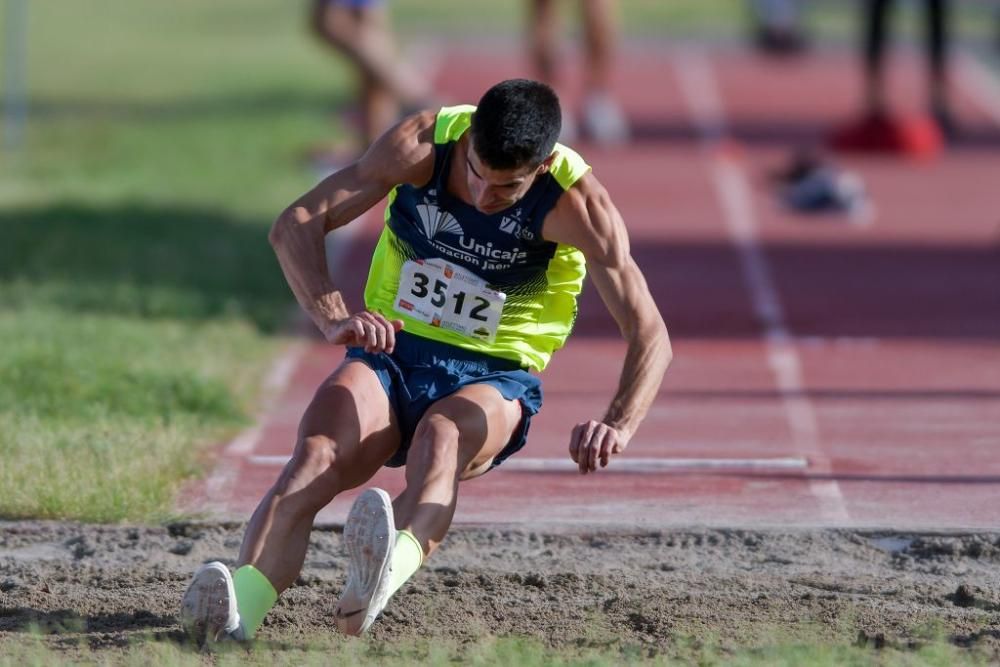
<point>369,537</point>
<point>206,607</point>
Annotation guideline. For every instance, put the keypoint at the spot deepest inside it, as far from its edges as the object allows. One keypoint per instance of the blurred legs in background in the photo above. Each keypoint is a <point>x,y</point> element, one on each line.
<point>600,114</point>
<point>877,17</point>
<point>360,30</point>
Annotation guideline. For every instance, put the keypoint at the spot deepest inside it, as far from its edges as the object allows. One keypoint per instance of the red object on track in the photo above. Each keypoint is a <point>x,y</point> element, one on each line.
<point>915,136</point>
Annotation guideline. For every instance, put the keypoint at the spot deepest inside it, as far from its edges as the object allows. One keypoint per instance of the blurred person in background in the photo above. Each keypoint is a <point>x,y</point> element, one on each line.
<point>489,232</point>
<point>777,26</point>
<point>601,117</point>
<point>936,45</point>
<point>361,31</point>
<point>877,119</point>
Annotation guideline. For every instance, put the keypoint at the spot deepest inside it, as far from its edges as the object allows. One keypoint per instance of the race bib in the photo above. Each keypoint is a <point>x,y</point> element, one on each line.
<point>444,295</point>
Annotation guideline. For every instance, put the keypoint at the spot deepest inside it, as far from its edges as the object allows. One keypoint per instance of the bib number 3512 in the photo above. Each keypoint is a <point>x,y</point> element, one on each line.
<point>447,296</point>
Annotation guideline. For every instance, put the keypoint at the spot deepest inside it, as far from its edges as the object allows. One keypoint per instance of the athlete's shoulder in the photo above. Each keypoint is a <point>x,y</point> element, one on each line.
<point>405,153</point>
<point>452,122</point>
<point>576,202</point>
<point>586,218</point>
<point>568,166</point>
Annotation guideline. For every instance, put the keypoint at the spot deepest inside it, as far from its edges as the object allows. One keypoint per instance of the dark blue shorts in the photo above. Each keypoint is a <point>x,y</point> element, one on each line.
<point>420,372</point>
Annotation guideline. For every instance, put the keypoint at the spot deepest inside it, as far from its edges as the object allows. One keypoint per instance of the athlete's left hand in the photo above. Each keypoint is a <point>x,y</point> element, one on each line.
<point>592,442</point>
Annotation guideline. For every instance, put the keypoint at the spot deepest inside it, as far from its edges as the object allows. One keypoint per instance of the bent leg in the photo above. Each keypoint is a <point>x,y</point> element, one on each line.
<point>937,54</point>
<point>457,439</point>
<point>364,36</point>
<point>543,39</point>
<point>346,434</point>
<point>380,102</point>
<point>600,24</point>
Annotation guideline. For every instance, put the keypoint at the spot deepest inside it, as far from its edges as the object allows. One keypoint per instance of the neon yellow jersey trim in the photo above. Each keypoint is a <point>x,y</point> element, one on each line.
<point>452,122</point>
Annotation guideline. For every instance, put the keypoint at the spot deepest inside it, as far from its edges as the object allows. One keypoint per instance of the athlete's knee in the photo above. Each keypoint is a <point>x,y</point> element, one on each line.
<point>314,456</point>
<point>436,442</point>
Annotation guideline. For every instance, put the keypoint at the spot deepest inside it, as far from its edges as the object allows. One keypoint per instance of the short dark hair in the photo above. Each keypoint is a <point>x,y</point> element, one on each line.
<point>516,124</point>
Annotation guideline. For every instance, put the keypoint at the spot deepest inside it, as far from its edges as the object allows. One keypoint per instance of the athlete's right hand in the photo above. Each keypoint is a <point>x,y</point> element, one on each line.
<point>366,329</point>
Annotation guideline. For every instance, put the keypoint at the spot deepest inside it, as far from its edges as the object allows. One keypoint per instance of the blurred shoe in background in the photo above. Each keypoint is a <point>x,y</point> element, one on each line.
<point>603,120</point>
<point>600,117</point>
<point>914,136</point>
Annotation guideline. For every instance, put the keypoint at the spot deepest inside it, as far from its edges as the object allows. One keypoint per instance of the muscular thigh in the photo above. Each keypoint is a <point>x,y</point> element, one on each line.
<point>352,410</point>
<point>485,421</point>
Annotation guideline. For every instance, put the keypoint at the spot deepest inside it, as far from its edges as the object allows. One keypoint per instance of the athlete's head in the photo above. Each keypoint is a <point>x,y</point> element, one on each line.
<point>514,130</point>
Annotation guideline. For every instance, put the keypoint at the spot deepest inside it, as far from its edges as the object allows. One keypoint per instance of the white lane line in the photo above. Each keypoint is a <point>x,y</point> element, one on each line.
<point>636,465</point>
<point>980,84</point>
<point>703,98</point>
<point>275,381</point>
<point>222,480</point>
<point>655,465</point>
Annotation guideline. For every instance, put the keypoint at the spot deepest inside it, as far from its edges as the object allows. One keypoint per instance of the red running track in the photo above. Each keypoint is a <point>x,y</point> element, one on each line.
<point>867,355</point>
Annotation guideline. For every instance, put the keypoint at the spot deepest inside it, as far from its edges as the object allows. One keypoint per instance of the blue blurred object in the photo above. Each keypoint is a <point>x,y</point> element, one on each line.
<point>811,185</point>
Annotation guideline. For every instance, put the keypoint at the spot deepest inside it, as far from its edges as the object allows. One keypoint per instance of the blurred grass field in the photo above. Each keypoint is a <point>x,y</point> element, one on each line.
<point>139,301</point>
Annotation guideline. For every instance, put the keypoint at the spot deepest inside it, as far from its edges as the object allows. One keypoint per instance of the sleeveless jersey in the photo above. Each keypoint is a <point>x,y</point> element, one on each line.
<point>540,279</point>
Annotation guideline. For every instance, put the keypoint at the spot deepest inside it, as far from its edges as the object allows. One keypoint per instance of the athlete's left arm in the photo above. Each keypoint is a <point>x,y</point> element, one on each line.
<point>586,218</point>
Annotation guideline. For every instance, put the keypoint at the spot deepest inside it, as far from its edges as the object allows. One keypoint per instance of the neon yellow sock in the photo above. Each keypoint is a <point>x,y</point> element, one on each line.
<point>407,557</point>
<point>254,598</point>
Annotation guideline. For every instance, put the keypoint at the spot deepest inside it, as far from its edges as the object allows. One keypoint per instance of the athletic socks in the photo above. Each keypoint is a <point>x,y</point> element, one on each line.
<point>254,598</point>
<point>255,595</point>
<point>407,556</point>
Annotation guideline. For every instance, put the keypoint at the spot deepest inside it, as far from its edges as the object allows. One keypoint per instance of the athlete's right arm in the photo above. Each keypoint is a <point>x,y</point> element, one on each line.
<point>404,154</point>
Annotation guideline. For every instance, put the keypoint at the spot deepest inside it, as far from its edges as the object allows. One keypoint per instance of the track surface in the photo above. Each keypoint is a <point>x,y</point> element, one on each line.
<point>869,354</point>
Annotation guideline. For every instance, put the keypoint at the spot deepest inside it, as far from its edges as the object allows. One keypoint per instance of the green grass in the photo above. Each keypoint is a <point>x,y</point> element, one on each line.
<point>31,650</point>
<point>139,300</point>
<point>109,409</point>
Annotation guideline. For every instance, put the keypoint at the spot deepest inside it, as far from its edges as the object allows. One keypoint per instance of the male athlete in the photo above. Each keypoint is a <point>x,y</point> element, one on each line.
<point>473,284</point>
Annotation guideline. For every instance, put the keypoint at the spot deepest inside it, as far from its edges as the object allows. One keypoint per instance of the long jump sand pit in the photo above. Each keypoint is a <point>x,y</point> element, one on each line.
<point>98,588</point>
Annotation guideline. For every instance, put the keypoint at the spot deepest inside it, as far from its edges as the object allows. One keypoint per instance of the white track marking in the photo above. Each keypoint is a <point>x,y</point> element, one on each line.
<point>980,85</point>
<point>701,93</point>
<point>221,482</point>
<point>621,465</point>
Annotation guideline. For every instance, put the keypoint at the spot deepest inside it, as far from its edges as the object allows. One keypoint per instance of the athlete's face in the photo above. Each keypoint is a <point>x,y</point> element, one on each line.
<point>493,190</point>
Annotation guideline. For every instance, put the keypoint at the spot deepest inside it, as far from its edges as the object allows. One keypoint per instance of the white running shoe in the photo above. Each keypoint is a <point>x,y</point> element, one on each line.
<point>370,535</point>
<point>208,610</point>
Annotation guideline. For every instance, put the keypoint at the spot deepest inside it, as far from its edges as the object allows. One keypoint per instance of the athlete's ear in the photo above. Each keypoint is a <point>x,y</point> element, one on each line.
<point>547,163</point>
